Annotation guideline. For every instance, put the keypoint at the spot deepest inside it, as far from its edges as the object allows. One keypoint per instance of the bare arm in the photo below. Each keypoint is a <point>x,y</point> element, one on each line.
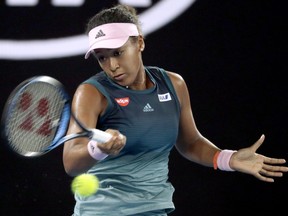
<point>190,143</point>
<point>193,146</point>
<point>88,103</point>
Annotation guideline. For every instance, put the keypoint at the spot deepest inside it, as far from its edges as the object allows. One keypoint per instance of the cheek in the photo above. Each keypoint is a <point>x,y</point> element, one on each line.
<point>104,65</point>
<point>105,68</point>
<point>134,60</point>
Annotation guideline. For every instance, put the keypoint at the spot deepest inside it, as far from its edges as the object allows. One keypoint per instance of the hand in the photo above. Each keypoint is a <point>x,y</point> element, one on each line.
<point>246,160</point>
<point>115,144</point>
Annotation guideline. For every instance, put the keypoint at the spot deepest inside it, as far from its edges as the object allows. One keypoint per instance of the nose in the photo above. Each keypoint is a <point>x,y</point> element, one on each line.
<point>113,64</point>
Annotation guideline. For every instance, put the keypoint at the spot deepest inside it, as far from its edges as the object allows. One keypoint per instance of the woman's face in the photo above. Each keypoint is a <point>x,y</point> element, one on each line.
<point>124,64</point>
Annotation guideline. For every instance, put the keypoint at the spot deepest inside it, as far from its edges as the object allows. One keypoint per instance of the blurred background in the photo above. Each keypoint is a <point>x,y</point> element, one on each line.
<point>233,56</point>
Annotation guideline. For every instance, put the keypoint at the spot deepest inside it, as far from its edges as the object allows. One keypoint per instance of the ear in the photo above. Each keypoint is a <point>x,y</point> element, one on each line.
<point>141,43</point>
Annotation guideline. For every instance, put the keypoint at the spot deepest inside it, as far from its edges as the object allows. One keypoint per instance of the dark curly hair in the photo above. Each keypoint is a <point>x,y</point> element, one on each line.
<point>117,14</point>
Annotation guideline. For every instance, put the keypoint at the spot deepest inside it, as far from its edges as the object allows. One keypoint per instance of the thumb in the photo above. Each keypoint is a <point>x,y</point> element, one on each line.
<point>258,143</point>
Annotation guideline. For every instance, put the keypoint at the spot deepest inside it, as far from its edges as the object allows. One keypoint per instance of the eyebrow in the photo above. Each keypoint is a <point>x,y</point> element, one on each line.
<point>98,50</point>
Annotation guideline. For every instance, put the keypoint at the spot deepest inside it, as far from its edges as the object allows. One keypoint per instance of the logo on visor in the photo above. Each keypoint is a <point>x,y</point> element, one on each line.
<point>100,34</point>
<point>66,37</point>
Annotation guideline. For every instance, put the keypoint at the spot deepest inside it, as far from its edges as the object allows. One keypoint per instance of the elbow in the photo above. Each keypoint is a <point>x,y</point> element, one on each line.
<point>189,149</point>
<point>70,171</point>
<point>74,167</point>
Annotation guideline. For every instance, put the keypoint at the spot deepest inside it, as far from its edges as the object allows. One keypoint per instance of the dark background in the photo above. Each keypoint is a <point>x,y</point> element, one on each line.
<point>233,56</point>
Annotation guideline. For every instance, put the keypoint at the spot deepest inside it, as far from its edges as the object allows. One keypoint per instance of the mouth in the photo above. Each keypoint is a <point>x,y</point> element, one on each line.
<point>119,77</point>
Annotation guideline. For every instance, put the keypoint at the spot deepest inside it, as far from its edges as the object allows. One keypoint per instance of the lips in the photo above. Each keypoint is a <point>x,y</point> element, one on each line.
<point>119,77</point>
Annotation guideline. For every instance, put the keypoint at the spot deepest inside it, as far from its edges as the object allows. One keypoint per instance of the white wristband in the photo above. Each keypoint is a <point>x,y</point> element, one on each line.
<point>94,151</point>
<point>224,159</point>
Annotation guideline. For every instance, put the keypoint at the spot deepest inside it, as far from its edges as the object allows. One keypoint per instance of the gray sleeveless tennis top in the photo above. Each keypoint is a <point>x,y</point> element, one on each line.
<point>136,180</point>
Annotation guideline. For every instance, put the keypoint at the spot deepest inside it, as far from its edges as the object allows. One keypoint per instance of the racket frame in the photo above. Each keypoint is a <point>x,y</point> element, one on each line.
<point>60,136</point>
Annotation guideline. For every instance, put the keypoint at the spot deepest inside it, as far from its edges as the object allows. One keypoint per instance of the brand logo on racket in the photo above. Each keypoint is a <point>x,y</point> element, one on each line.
<point>46,42</point>
<point>36,115</point>
<point>123,101</point>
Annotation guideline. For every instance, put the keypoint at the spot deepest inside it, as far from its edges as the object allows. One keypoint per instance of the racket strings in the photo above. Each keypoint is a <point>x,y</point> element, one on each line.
<point>34,120</point>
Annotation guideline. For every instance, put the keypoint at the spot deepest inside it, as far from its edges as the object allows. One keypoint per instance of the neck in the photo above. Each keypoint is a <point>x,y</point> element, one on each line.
<point>141,83</point>
<point>138,85</point>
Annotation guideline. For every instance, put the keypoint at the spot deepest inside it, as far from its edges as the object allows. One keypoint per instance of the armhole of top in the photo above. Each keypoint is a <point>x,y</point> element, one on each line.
<point>98,86</point>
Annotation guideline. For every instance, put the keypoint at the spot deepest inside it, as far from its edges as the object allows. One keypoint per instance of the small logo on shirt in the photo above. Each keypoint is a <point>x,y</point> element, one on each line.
<point>148,108</point>
<point>164,97</point>
<point>123,101</point>
<point>99,34</point>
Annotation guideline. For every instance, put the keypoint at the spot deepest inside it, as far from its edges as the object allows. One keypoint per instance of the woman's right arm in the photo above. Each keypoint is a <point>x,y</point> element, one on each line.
<point>87,105</point>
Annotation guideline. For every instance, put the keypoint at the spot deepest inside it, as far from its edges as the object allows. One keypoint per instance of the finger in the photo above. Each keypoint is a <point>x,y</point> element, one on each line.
<point>117,147</point>
<point>275,168</point>
<point>118,144</point>
<point>271,173</point>
<point>258,143</point>
<point>264,178</point>
<point>268,160</point>
<point>121,136</point>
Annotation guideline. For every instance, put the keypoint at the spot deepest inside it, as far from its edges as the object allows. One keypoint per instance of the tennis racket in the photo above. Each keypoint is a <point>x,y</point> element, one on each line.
<point>36,117</point>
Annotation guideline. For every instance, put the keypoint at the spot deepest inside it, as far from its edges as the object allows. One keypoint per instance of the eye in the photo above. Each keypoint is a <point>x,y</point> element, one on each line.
<point>117,53</point>
<point>100,58</point>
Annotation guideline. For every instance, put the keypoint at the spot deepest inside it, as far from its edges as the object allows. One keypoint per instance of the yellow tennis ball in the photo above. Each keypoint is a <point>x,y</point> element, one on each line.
<point>85,184</point>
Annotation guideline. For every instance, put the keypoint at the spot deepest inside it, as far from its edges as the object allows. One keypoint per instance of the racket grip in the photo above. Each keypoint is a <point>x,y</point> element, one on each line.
<point>100,136</point>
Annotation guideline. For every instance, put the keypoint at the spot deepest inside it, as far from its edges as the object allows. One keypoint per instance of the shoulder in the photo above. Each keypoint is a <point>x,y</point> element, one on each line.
<point>180,87</point>
<point>176,79</point>
<point>88,96</point>
<point>88,91</point>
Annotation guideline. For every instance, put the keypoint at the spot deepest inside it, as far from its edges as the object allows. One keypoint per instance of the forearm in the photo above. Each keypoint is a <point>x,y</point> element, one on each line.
<point>200,151</point>
<point>76,159</point>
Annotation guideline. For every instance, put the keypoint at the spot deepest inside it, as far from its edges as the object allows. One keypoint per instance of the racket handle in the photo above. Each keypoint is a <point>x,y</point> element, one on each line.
<point>100,136</point>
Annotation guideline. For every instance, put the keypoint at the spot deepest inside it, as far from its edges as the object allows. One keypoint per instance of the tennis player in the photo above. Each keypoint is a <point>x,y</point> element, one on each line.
<point>148,112</point>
